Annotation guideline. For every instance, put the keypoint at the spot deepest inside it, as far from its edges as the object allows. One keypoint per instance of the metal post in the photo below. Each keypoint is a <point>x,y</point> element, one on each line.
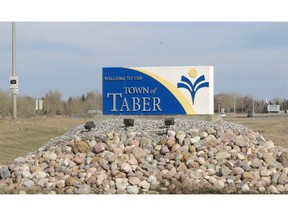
<point>14,106</point>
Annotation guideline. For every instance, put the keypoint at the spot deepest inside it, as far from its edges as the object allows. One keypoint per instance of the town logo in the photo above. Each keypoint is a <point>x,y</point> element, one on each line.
<point>199,83</point>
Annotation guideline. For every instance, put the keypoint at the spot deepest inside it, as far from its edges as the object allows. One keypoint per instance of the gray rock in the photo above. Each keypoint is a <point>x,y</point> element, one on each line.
<point>286,187</point>
<point>79,158</point>
<point>28,183</point>
<point>125,167</point>
<point>210,130</point>
<point>92,143</point>
<point>280,188</point>
<point>132,160</point>
<point>133,189</point>
<point>238,171</point>
<point>110,157</point>
<point>144,185</point>
<point>100,178</point>
<point>42,182</point>
<point>26,173</point>
<point>121,183</point>
<point>269,144</point>
<point>134,180</point>
<point>275,177</point>
<point>155,185</point>
<point>144,142</point>
<point>240,156</point>
<point>195,139</point>
<point>99,147</point>
<point>60,184</point>
<point>201,160</point>
<point>268,158</point>
<point>149,158</point>
<point>227,137</point>
<point>283,158</point>
<point>224,171</point>
<point>219,185</point>
<point>222,155</point>
<point>264,172</point>
<point>251,136</point>
<point>239,141</point>
<point>40,174</point>
<point>210,154</point>
<point>193,132</point>
<point>260,138</point>
<point>52,156</point>
<point>246,166</point>
<point>180,135</point>
<point>104,164</point>
<point>4,172</point>
<point>283,179</point>
<point>245,187</point>
<point>151,178</point>
<point>164,150</point>
<point>139,154</point>
<point>84,189</point>
<point>272,189</point>
<point>203,134</point>
<point>256,163</point>
<point>199,144</point>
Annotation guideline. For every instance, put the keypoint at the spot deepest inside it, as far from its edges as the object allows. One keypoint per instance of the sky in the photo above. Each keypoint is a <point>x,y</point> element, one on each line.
<point>249,58</point>
<point>63,45</point>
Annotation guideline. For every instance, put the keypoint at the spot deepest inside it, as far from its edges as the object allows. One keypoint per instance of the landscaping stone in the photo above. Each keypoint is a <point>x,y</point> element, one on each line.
<point>111,159</point>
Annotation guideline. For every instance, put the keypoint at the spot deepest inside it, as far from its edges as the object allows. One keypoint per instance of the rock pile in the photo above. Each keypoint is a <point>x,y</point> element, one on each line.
<point>190,157</point>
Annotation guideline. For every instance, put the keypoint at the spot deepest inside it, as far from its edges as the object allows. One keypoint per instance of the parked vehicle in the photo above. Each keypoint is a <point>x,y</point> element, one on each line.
<point>223,115</point>
<point>250,114</point>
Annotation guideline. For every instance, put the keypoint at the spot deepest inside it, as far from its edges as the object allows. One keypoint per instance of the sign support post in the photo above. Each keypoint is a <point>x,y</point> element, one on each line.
<point>14,79</point>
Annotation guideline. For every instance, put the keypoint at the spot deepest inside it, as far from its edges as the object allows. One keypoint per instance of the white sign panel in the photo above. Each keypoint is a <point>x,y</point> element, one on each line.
<point>39,105</point>
<point>13,82</point>
<point>14,85</point>
<point>273,108</point>
<point>183,90</point>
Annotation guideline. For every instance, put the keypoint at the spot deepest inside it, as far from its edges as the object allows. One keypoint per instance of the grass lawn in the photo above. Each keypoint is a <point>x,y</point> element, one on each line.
<point>27,135</point>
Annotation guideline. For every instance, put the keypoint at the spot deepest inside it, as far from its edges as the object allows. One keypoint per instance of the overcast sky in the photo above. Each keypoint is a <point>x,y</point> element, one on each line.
<point>248,57</point>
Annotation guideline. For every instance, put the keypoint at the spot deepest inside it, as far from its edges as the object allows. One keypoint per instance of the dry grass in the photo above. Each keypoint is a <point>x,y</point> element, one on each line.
<point>27,135</point>
<point>273,128</point>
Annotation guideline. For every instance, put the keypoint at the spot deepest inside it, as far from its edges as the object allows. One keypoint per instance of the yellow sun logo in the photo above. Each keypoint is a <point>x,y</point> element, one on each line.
<point>192,72</point>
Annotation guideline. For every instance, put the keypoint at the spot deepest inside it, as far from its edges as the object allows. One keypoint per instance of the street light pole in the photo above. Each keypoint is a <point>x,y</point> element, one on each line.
<point>14,105</point>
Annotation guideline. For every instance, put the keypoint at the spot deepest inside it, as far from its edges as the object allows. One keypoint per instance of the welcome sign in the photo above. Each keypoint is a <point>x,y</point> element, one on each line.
<point>184,90</point>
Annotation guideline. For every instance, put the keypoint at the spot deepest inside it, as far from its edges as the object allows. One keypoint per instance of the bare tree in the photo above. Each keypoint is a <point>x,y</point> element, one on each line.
<point>80,105</point>
<point>5,103</point>
<point>26,106</point>
<point>53,104</point>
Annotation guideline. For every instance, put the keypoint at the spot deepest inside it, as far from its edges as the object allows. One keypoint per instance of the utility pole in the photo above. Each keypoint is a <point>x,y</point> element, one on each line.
<point>15,80</point>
